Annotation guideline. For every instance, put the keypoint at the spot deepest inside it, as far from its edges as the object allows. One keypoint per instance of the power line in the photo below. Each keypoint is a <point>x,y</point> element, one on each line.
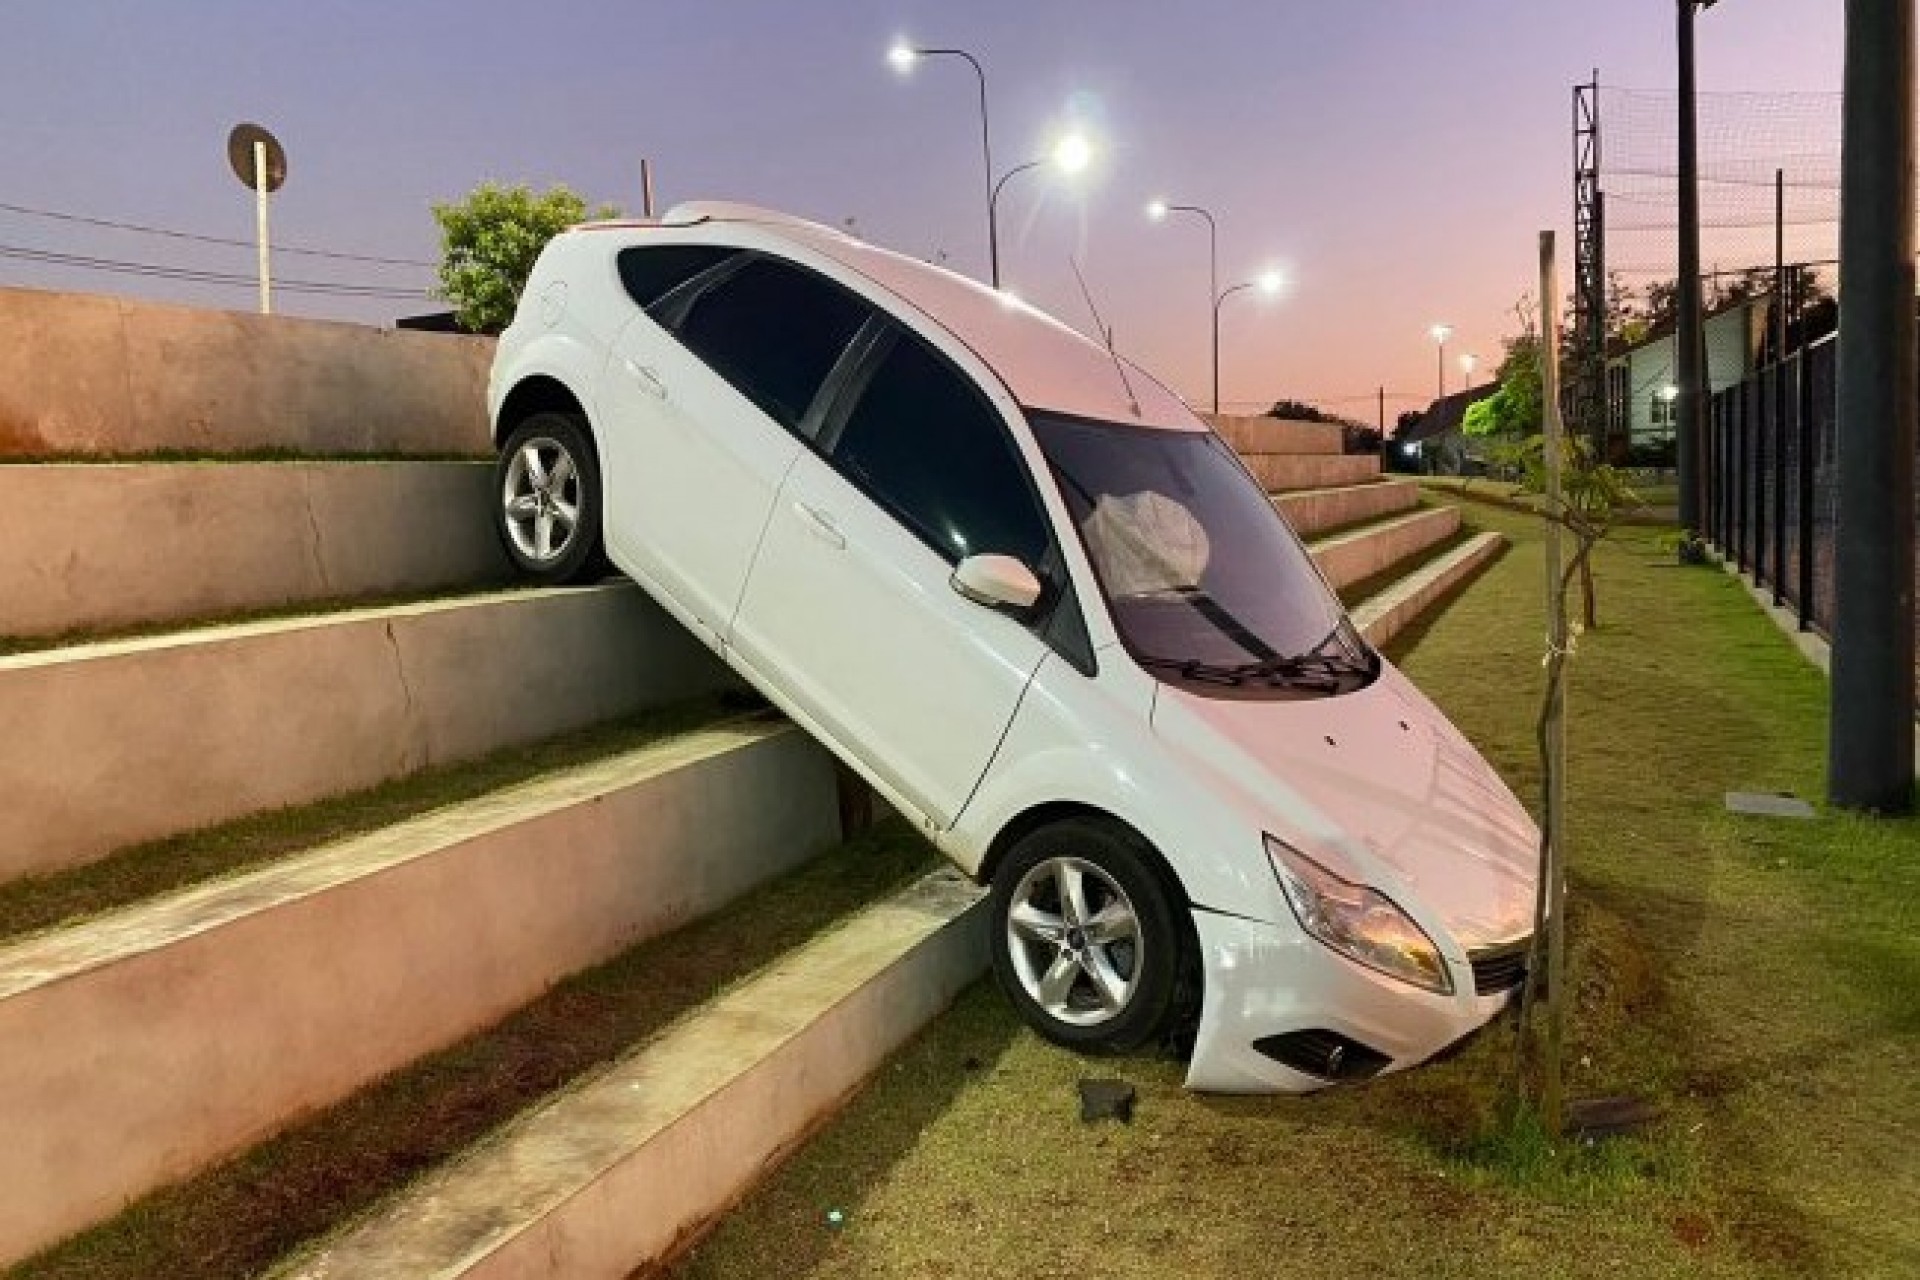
<point>172,234</point>
<point>155,270</point>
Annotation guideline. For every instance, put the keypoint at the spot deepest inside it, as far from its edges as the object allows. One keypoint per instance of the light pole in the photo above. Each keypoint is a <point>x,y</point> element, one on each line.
<point>903,56</point>
<point>1158,211</point>
<point>1468,363</point>
<point>1268,283</point>
<point>1690,356</point>
<point>1440,333</point>
<point>1070,155</point>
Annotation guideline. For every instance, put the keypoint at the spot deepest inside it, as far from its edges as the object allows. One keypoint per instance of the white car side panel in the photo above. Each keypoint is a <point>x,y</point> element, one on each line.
<point>854,616</point>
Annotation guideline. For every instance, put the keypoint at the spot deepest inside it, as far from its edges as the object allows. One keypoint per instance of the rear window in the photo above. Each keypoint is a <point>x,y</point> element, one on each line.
<point>651,272</point>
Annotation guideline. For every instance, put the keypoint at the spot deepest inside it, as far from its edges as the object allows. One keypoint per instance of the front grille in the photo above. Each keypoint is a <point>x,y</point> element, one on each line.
<point>1498,969</point>
<point>1326,1054</point>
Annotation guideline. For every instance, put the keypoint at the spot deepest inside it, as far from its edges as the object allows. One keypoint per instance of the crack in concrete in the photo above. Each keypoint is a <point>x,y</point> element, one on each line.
<point>316,547</point>
<point>415,727</point>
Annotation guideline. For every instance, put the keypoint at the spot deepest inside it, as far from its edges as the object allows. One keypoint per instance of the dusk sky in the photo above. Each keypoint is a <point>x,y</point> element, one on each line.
<point>1394,157</point>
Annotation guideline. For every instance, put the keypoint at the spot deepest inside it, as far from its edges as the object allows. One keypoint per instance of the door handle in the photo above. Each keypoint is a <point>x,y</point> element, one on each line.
<point>649,380</point>
<point>820,524</point>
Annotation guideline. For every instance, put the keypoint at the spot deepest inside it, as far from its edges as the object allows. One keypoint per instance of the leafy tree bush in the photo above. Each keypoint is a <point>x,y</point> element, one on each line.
<point>488,243</point>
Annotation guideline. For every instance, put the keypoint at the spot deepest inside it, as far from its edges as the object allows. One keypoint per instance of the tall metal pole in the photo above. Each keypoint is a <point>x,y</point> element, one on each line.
<point>1553,722</point>
<point>993,214</point>
<point>260,224</point>
<point>1870,750</point>
<point>1780,387</point>
<point>646,188</point>
<point>904,58</point>
<point>1689,351</point>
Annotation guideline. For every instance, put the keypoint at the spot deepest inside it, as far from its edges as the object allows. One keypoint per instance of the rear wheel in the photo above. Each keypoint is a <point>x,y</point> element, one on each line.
<point>1086,939</point>
<point>547,500</point>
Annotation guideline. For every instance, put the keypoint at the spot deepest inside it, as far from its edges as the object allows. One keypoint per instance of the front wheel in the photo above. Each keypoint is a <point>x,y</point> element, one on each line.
<point>547,500</point>
<point>1085,937</point>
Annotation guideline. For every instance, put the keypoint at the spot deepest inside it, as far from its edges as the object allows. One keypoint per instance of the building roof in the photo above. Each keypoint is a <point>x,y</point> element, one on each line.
<point>1445,414</point>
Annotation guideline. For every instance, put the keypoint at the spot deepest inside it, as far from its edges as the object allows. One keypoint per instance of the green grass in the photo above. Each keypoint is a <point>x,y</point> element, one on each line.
<point>1757,980</point>
<point>240,1217</point>
<point>161,866</point>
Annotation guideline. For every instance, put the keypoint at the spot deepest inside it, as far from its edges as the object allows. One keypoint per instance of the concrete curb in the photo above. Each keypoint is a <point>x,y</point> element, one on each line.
<point>1312,511</point>
<point>120,545</point>
<point>1386,615</point>
<point>1359,555</point>
<point>144,1045</point>
<point>622,1171</point>
<point>115,743</point>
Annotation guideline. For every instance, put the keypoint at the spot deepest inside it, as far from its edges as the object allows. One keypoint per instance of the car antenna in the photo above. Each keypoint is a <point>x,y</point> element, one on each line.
<point>1106,337</point>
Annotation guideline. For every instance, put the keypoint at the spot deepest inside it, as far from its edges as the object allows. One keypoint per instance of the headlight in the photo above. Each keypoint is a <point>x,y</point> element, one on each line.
<point>1358,922</point>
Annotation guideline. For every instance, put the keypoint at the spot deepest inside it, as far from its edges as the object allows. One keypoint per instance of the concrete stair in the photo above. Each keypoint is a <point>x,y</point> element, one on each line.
<point>1373,549</point>
<point>1312,511</point>
<point>108,546</point>
<point>174,1032</point>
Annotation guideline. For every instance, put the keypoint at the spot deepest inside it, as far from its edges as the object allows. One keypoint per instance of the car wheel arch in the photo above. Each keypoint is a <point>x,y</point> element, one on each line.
<point>1053,812</point>
<point>539,393</point>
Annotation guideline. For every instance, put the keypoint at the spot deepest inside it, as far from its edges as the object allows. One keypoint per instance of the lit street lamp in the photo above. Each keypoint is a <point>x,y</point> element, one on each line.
<point>1468,363</point>
<point>1440,333</point>
<point>1071,154</point>
<point>1268,283</point>
<point>903,56</point>
<point>1158,211</point>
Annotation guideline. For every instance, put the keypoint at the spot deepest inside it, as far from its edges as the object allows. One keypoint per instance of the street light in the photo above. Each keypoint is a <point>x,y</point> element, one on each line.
<point>1468,363</point>
<point>1268,283</point>
<point>1158,211</point>
<point>1440,333</point>
<point>903,56</point>
<point>1071,154</point>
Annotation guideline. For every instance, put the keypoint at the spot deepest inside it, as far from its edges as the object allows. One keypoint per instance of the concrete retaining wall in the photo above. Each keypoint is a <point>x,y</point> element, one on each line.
<point>142,1046</point>
<point>1281,472</point>
<point>1312,511</point>
<point>90,375</point>
<point>1276,435</point>
<point>98,546</point>
<point>1357,556</point>
<point>114,743</point>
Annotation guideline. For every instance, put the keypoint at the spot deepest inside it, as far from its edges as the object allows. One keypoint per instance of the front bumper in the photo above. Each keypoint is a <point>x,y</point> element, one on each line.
<point>1264,982</point>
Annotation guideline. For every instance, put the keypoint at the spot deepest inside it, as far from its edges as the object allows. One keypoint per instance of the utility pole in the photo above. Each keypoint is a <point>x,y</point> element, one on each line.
<point>1689,347</point>
<point>1870,751</point>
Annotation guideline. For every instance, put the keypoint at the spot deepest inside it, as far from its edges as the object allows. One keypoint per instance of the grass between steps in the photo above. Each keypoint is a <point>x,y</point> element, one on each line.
<point>175,862</point>
<point>241,1217</point>
<point>1368,587</point>
<point>1758,980</point>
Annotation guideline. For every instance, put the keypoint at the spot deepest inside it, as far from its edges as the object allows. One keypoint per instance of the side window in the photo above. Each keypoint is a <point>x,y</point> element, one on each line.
<point>774,331</point>
<point>651,272</point>
<point>924,443</point>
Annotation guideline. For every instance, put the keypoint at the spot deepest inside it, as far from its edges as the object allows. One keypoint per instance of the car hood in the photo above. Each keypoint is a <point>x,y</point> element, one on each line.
<point>1379,787</point>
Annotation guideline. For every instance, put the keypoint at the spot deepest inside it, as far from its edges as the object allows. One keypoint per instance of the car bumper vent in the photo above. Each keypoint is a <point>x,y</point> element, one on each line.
<point>1498,969</point>
<point>1326,1054</point>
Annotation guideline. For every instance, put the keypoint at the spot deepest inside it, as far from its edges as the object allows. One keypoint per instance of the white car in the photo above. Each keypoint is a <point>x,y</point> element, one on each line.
<point>1019,587</point>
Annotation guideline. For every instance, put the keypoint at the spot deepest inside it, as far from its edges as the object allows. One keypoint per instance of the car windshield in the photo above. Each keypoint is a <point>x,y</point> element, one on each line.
<point>1206,581</point>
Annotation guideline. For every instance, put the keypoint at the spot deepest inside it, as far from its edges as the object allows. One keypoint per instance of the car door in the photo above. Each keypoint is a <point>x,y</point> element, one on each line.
<point>701,402</point>
<point>849,605</point>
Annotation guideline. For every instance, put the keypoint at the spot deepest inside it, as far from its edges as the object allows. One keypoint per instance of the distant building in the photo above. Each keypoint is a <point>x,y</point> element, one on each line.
<point>1641,379</point>
<point>1435,444</point>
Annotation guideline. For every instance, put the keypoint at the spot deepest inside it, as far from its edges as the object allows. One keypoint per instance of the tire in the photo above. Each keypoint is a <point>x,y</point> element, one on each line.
<point>1103,990</point>
<point>547,504</point>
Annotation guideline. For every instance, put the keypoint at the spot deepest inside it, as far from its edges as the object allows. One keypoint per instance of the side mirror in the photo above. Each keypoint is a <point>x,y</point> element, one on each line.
<point>997,581</point>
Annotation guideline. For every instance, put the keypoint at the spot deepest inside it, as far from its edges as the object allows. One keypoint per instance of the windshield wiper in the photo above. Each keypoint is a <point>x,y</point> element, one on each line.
<point>1314,674</point>
<point>1195,669</point>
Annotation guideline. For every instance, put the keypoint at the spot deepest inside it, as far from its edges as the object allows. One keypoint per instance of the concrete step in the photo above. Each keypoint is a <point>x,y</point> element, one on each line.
<point>119,742</point>
<point>1357,555</point>
<point>1276,435</point>
<point>146,1043</point>
<point>99,546</point>
<point>1287,472</point>
<point>611,1177</point>
<point>1384,616</point>
<point>1312,511</point>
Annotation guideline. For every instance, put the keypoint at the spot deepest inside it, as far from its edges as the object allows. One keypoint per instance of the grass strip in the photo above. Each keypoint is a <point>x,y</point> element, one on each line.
<point>175,862</point>
<point>1758,980</point>
<point>240,1217</point>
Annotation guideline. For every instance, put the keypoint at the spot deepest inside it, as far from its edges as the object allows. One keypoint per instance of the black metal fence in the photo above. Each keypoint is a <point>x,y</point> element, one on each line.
<point>1771,446</point>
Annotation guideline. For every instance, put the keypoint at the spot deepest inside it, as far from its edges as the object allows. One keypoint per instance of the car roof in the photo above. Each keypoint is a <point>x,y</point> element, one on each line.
<point>1047,365</point>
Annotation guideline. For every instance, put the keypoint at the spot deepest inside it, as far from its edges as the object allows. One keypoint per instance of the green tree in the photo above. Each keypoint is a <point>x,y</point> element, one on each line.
<point>1513,410</point>
<point>488,243</point>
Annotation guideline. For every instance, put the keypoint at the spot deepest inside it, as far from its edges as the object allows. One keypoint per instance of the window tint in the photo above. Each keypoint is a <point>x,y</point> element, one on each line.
<point>653,271</point>
<point>923,442</point>
<point>774,331</point>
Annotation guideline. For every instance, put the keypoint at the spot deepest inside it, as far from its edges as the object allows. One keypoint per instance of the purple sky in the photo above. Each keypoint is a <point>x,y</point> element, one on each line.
<point>1394,156</point>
